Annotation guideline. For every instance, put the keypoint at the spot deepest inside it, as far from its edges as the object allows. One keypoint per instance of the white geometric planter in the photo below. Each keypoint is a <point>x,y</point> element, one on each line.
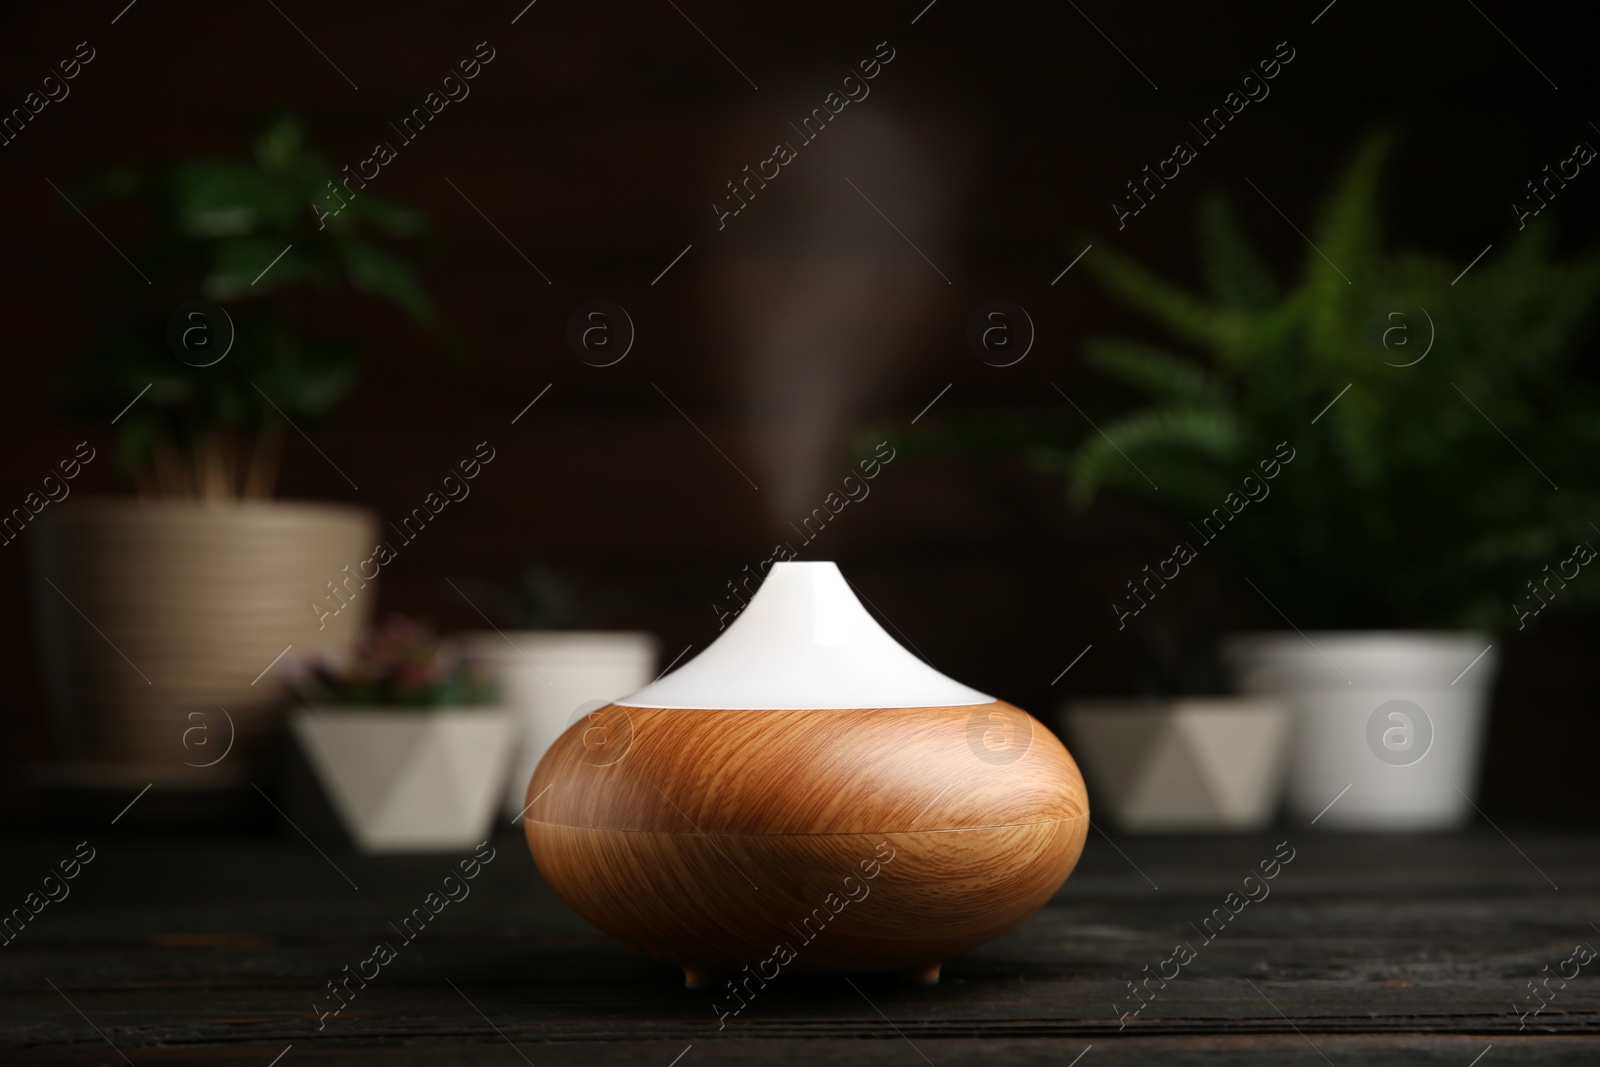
<point>546,675</point>
<point>1194,764</point>
<point>409,780</point>
<point>1398,718</point>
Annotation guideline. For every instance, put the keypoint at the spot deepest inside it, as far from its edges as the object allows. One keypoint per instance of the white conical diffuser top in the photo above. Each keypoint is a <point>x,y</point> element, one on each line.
<point>805,641</point>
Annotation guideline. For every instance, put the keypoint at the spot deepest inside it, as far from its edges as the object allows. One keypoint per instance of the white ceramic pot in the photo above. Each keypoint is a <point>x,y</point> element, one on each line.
<point>409,779</point>
<point>1195,764</point>
<point>546,676</point>
<point>1390,724</point>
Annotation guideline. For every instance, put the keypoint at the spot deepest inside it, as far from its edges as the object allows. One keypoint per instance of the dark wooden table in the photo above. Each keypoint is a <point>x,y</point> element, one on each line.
<point>1369,950</point>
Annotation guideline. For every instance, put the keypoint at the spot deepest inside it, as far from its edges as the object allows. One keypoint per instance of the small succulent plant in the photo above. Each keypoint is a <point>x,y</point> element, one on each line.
<point>399,664</point>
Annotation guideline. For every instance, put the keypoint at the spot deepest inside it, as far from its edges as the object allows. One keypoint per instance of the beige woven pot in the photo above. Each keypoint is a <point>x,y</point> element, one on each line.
<point>151,610</point>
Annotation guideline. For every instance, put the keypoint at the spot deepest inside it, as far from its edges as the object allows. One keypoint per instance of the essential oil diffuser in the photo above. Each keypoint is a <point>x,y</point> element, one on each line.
<point>806,795</point>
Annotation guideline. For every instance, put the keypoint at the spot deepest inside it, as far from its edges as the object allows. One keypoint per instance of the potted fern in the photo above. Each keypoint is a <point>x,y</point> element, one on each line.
<point>1373,451</point>
<point>223,346</point>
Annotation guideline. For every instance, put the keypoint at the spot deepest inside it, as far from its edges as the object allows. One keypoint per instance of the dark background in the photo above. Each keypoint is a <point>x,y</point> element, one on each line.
<point>596,141</point>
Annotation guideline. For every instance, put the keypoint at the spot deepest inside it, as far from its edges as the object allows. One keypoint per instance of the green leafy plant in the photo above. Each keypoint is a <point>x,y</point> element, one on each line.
<point>214,228</point>
<point>1426,495</point>
<point>399,664</point>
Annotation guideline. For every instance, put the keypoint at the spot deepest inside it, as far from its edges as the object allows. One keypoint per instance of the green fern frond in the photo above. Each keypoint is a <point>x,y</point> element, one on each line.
<point>1237,275</point>
<point>1349,226</point>
<point>1187,317</point>
<point>1154,371</point>
<point>1151,444</point>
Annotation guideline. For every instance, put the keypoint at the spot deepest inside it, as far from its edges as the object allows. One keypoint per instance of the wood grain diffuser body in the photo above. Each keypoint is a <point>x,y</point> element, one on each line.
<point>806,795</point>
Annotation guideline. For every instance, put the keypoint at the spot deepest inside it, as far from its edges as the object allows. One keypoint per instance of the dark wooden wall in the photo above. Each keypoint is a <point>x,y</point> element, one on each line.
<point>597,141</point>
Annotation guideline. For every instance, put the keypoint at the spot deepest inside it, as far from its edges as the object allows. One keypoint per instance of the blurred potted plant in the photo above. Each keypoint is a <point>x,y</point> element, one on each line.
<point>1183,756</point>
<point>1407,521</point>
<point>201,580</point>
<point>404,735</point>
<point>551,666</point>
<point>1183,764</point>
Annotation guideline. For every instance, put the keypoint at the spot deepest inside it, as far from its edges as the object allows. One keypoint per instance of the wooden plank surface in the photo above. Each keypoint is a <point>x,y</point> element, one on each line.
<point>1369,950</point>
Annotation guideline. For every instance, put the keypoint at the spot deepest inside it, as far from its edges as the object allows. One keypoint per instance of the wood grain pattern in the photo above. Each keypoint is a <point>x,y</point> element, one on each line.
<point>1383,950</point>
<point>850,840</point>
